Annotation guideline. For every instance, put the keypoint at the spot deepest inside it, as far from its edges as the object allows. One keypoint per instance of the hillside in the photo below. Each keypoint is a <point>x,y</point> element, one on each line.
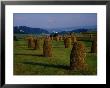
<point>29,30</point>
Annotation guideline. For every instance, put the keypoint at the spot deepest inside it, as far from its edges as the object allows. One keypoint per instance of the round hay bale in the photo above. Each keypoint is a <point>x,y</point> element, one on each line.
<point>47,48</point>
<point>77,56</point>
<point>67,42</point>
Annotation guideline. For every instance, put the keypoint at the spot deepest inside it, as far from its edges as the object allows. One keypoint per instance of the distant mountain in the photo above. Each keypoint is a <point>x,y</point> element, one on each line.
<point>29,30</point>
<point>77,31</point>
<point>89,28</point>
<point>84,30</point>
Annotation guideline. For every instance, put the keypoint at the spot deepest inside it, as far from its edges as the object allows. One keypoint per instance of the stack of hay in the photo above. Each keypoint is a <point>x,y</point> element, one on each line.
<point>67,42</point>
<point>77,57</point>
<point>60,38</point>
<point>47,47</point>
<point>30,42</point>
<point>57,38</point>
<point>73,39</point>
<point>36,43</point>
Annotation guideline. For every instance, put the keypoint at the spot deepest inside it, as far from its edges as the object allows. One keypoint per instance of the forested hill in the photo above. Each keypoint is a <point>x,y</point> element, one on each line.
<point>29,30</point>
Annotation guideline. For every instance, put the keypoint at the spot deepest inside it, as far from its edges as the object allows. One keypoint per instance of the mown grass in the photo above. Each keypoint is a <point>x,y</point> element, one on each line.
<point>31,62</point>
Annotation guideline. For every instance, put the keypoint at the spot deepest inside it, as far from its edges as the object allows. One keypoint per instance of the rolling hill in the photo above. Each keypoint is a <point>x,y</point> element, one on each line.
<point>29,30</point>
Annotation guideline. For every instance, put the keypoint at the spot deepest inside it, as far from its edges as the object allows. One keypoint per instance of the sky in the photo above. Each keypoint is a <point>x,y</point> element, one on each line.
<point>54,20</point>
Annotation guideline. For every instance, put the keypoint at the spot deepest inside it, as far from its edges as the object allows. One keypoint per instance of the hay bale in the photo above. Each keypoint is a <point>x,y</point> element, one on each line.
<point>94,46</point>
<point>30,42</point>
<point>51,37</point>
<point>47,48</point>
<point>73,39</point>
<point>60,38</point>
<point>57,38</point>
<point>36,43</point>
<point>67,42</point>
<point>64,38</point>
<point>77,56</point>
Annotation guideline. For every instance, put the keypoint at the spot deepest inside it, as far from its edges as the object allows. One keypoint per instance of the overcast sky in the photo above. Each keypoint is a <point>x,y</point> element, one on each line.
<point>54,20</point>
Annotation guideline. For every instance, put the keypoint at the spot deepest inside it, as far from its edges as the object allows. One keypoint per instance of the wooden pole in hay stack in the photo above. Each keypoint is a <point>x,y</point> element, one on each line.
<point>47,48</point>
<point>77,57</point>
<point>67,42</point>
<point>36,43</point>
<point>94,46</point>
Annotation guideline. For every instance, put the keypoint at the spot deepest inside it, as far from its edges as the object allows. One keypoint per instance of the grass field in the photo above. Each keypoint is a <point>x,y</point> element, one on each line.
<point>31,62</point>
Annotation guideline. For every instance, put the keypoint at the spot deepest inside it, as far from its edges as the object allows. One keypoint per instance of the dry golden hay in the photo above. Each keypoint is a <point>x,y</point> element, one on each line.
<point>51,37</point>
<point>57,38</point>
<point>36,43</point>
<point>42,38</point>
<point>73,39</point>
<point>64,37</point>
<point>67,42</point>
<point>47,48</point>
<point>60,38</point>
<point>30,42</point>
<point>94,46</point>
<point>77,56</point>
<point>47,37</point>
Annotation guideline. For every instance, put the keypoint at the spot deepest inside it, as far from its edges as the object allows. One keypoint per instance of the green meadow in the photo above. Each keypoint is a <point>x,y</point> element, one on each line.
<point>28,61</point>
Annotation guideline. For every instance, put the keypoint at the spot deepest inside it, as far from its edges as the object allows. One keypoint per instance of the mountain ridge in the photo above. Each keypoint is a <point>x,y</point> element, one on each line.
<point>30,30</point>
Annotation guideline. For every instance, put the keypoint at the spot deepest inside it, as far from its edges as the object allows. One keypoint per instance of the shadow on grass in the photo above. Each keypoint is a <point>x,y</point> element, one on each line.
<point>57,47</point>
<point>29,54</point>
<point>47,65</point>
<point>29,49</point>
